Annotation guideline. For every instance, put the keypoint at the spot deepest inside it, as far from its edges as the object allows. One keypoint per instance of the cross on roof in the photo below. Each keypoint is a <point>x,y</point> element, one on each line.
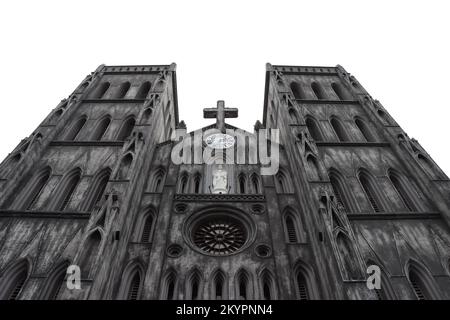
<point>220,113</point>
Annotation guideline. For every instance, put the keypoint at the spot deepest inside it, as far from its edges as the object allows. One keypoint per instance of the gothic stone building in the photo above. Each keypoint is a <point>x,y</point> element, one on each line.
<point>95,186</point>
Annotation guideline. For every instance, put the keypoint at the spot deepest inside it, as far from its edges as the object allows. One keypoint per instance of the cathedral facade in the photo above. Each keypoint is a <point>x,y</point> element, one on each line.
<point>327,192</point>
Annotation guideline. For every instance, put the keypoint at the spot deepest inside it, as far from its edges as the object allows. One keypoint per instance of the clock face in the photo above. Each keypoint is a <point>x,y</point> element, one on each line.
<point>219,141</point>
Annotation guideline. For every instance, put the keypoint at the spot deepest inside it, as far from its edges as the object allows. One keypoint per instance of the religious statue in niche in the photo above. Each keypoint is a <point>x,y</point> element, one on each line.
<point>219,180</point>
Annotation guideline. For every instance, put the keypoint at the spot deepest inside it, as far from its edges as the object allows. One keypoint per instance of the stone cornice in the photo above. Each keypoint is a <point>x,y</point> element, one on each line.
<point>219,197</point>
<point>395,216</point>
<point>77,215</point>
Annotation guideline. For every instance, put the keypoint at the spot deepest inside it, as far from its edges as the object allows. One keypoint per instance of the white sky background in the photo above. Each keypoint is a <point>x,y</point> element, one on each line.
<point>398,50</point>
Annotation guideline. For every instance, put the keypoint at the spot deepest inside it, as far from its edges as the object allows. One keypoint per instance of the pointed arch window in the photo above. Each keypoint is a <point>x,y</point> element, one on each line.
<point>67,189</point>
<point>147,230</point>
<point>169,285</point>
<point>304,281</point>
<point>297,90</point>
<point>338,128</point>
<point>134,288</point>
<point>143,90</point>
<point>98,188</point>
<point>318,91</point>
<point>34,191</point>
<point>123,89</point>
<point>193,286</point>
<point>243,285</point>
<point>157,180</point>
<point>400,187</point>
<point>219,286</point>
<point>197,183</point>
<point>422,282</point>
<point>101,128</point>
<point>256,183</point>
<point>101,90</point>
<point>13,281</point>
<point>339,189</point>
<point>339,91</point>
<point>242,183</point>
<point>291,228</point>
<point>365,130</point>
<point>368,185</point>
<point>268,285</point>
<point>90,251</point>
<point>282,182</point>
<point>313,129</point>
<point>183,183</point>
<point>55,282</point>
<point>74,131</point>
<point>126,129</point>
<point>302,287</point>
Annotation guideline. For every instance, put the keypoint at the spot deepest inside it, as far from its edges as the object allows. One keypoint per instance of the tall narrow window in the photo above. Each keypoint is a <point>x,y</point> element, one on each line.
<point>126,129</point>
<point>67,189</point>
<point>101,128</point>
<point>401,190</point>
<point>365,131</point>
<point>169,286</point>
<point>143,90</point>
<point>97,189</point>
<point>297,90</point>
<point>193,285</point>
<point>243,285</point>
<point>313,129</point>
<point>122,91</point>
<point>147,229</point>
<point>74,131</point>
<point>242,183</point>
<point>318,91</point>
<point>339,129</point>
<point>219,286</point>
<point>369,189</point>
<point>54,282</point>
<point>183,183</point>
<point>90,252</point>
<point>339,91</point>
<point>268,285</point>
<point>291,229</point>
<point>255,183</point>
<point>304,281</point>
<point>157,180</point>
<point>13,281</point>
<point>133,290</point>
<point>302,287</point>
<point>282,182</point>
<point>101,90</point>
<point>197,183</point>
<point>34,191</point>
<point>338,189</point>
<point>417,286</point>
